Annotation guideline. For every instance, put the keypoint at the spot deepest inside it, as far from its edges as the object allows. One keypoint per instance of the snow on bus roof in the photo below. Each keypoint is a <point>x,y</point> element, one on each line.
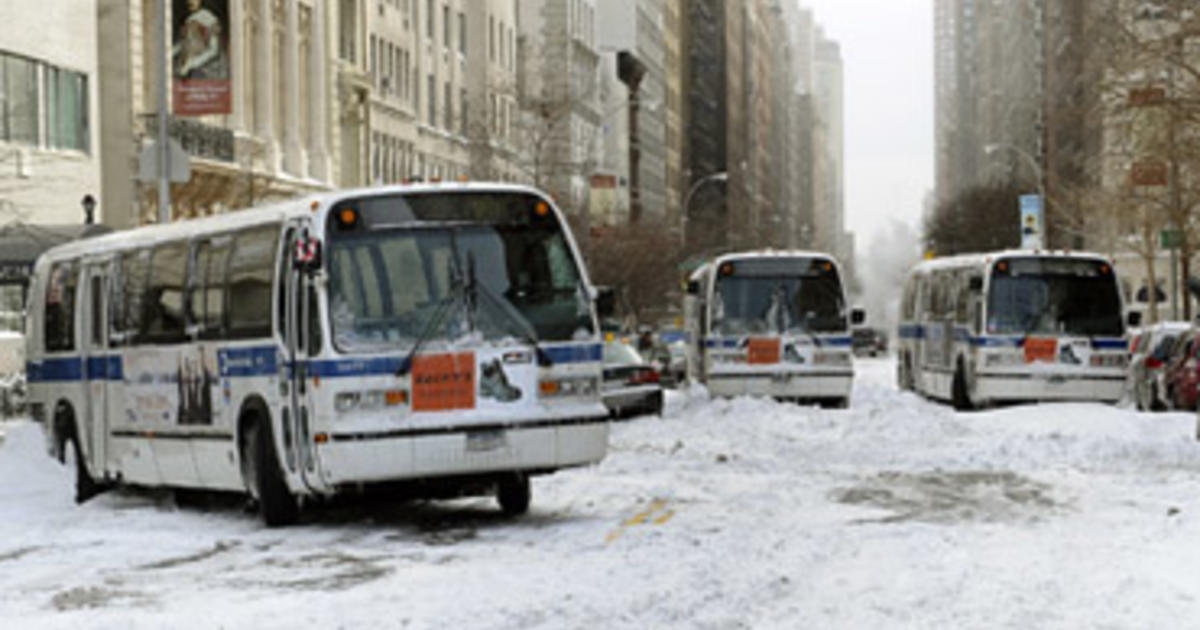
<point>983,258</point>
<point>761,253</point>
<point>274,212</point>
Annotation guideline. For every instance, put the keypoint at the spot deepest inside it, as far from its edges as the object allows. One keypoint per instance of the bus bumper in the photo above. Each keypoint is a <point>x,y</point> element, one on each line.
<point>1047,387</point>
<point>814,385</point>
<point>540,446</point>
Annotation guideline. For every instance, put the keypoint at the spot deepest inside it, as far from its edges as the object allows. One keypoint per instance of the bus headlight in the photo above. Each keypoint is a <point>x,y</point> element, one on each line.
<point>728,357</point>
<point>832,358</point>
<point>567,387</point>
<point>1109,361</point>
<point>370,400</point>
<point>996,359</point>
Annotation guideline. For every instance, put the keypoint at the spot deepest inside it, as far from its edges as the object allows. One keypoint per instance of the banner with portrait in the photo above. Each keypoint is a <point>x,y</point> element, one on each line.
<point>200,65</point>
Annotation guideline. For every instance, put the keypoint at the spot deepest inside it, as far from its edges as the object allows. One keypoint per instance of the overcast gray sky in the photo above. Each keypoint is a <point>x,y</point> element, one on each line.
<point>887,49</point>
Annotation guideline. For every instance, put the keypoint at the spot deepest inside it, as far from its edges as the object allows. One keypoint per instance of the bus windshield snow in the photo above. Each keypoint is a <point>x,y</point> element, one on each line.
<point>394,288</point>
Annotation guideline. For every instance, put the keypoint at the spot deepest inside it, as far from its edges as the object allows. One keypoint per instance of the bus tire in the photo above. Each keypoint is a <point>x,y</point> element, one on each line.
<point>959,396</point>
<point>85,485</point>
<point>276,504</point>
<point>513,494</point>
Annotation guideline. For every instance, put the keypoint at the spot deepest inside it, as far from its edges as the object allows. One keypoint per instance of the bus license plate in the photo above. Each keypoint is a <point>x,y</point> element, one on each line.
<point>484,441</point>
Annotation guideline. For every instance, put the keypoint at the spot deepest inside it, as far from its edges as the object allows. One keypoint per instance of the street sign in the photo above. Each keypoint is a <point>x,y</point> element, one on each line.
<point>180,163</point>
<point>1031,222</point>
<point>1148,173</point>
<point>1170,239</point>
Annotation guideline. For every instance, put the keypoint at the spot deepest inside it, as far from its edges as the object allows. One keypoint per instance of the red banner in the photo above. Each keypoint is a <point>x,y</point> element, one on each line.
<point>200,58</point>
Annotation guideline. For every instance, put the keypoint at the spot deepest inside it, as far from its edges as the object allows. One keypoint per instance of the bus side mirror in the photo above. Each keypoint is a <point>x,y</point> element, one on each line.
<point>975,283</point>
<point>693,287</point>
<point>606,302</point>
<point>857,316</point>
<point>1134,318</point>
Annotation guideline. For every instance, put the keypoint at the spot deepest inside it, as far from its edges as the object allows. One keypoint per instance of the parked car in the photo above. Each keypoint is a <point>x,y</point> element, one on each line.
<point>1181,374</point>
<point>1151,350</point>
<point>632,386</point>
<point>870,342</point>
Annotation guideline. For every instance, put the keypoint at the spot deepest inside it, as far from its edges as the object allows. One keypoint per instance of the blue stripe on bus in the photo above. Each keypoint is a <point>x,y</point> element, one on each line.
<point>54,370</point>
<point>254,361</point>
<point>264,361</point>
<point>917,331</point>
<point>843,341</point>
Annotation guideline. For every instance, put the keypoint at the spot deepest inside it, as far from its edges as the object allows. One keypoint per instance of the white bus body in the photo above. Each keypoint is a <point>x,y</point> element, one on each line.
<point>772,323</point>
<point>439,333</point>
<point>1013,326</point>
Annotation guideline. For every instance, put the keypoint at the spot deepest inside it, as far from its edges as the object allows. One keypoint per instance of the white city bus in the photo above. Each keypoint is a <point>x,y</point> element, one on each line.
<point>771,323</point>
<point>1013,326</point>
<point>444,334</point>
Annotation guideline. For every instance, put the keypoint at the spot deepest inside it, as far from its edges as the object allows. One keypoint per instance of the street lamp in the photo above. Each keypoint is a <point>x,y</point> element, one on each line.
<point>687,200</point>
<point>1037,169</point>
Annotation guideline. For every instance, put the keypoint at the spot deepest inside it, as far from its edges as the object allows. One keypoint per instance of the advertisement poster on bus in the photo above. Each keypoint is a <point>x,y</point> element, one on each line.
<point>200,58</point>
<point>487,380</point>
<point>170,386</point>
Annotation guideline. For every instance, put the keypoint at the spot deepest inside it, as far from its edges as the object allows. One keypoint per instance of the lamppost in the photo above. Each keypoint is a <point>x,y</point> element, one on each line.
<point>1037,168</point>
<point>687,200</point>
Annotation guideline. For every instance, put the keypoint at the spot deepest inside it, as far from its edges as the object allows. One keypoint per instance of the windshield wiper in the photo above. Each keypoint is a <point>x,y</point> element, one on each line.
<point>457,290</point>
<point>526,332</point>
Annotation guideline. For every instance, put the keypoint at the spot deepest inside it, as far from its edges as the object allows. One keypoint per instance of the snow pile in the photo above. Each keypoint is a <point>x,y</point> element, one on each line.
<point>743,513</point>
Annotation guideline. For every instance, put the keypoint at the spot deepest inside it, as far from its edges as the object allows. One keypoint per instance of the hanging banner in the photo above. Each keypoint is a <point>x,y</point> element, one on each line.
<point>200,58</point>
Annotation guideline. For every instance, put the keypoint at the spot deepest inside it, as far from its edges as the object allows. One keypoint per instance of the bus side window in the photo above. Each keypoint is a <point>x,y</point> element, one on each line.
<point>251,271</point>
<point>209,287</point>
<point>59,326</point>
<point>163,319</point>
<point>128,296</point>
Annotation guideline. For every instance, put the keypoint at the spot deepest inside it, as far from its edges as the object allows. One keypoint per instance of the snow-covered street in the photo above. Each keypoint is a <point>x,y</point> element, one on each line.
<point>897,513</point>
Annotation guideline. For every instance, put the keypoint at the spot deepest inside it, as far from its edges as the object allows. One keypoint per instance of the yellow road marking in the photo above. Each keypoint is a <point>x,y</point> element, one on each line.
<point>655,514</point>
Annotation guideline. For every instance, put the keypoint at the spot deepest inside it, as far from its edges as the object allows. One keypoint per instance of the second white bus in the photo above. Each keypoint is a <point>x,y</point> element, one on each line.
<point>771,323</point>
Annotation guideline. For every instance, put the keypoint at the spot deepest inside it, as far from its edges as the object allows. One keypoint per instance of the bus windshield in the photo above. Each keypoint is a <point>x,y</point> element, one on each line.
<point>1052,296</point>
<point>778,296</point>
<point>391,287</point>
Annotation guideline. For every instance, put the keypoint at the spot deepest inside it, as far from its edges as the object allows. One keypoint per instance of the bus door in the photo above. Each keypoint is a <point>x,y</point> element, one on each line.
<point>299,319</point>
<point>98,368</point>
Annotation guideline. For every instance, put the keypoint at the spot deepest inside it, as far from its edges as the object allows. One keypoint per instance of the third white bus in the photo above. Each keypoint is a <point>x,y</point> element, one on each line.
<point>1013,326</point>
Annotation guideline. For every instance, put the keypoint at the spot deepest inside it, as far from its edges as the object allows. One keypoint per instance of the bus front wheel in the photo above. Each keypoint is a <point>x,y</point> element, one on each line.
<point>513,494</point>
<point>959,394</point>
<point>71,453</point>
<point>276,503</point>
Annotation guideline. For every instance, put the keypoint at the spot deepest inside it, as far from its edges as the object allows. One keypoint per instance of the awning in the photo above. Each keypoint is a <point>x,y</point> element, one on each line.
<point>21,243</point>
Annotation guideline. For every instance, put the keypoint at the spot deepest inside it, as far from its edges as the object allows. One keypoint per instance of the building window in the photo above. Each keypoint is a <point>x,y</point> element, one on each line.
<point>432,101</point>
<point>462,111</point>
<point>446,26</point>
<point>374,61</point>
<point>66,110</point>
<point>462,32</point>
<point>18,100</point>
<point>448,118</point>
<point>429,19</point>
<point>491,38</point>
<point>348,23</point>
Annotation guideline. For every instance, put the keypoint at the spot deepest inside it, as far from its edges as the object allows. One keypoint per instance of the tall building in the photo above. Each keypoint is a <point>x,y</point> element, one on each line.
<point>443,101</point>
<point>49,114</point>
<point>829,219</point>
<point>279,136</point>
<point>559,125</point>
